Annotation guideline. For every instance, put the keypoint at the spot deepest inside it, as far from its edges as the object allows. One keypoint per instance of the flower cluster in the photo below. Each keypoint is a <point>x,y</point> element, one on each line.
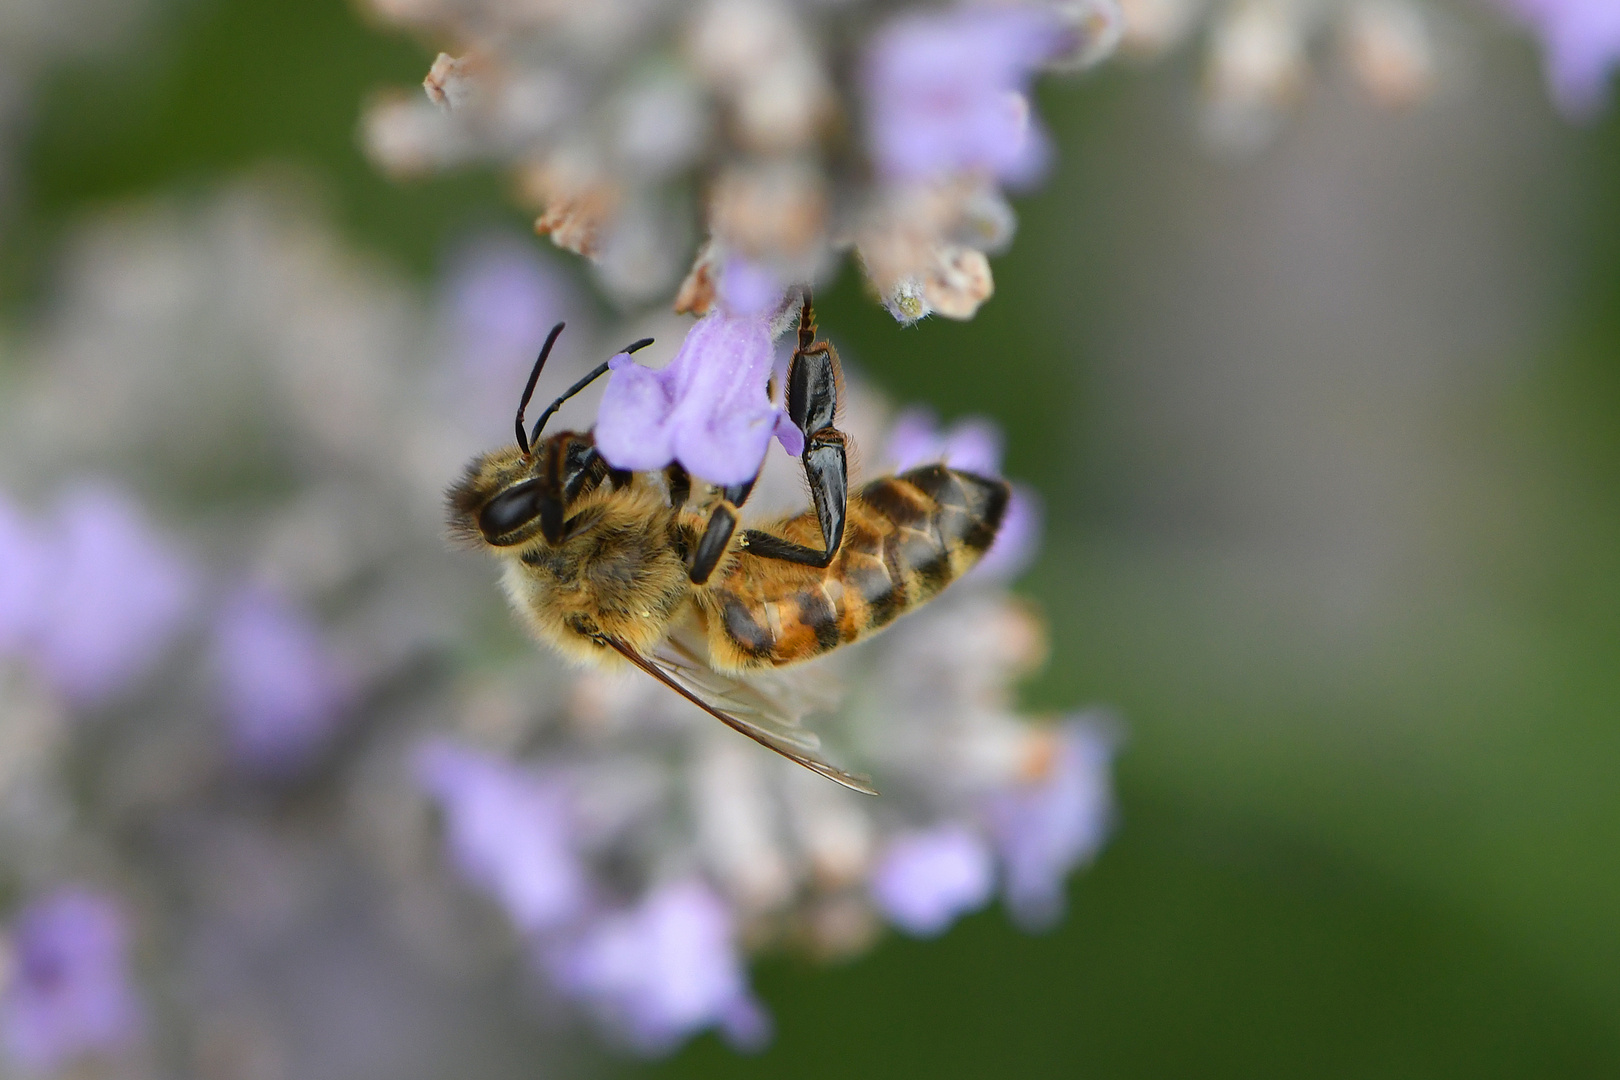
<point>296,744</point>
<point>718,138</point>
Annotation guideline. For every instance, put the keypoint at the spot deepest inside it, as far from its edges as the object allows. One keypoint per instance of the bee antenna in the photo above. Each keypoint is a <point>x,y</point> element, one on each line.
<point>596,373</point>
<point>528,389</point>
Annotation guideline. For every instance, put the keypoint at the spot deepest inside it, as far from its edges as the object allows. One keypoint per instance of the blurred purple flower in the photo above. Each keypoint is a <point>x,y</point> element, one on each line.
<point>23,576</point>
<point>1046,828</point>
<point>747,288</point>
<point>973,445</point>
<point>945,93</point>
<point>118,594</point>
<point>708,409</point>
<point>501,299</point>
<point>1582,39</point>
<point>664,971</point>
<point>926,880</point>
<point>69,994</point>
<point>283,689</point>
<point>509,831</point>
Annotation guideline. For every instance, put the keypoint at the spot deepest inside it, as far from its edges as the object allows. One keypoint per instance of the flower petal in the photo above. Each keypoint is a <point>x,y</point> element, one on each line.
<point>1046,828</point>
<point>664,970</point>
<point>945,93</point>
<point>926,880</point>
<point>708,409</point>
<point>510,832</point>
<point>282,687</point>
<point>70,992</point>
<point>632,425</point>
<point>120,595</point>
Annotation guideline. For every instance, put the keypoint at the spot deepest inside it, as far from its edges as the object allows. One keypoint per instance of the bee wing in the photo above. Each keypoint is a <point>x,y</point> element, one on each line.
<point>740,707</point>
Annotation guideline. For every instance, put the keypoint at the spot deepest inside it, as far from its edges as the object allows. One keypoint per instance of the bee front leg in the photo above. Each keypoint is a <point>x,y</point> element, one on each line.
<point>812,400</point>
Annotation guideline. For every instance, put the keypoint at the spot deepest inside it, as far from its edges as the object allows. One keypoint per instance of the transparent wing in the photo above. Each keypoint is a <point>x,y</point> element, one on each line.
<point>740,706</point>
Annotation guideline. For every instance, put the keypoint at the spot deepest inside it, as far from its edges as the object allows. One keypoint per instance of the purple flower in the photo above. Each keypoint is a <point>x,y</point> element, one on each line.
<point>509,831</point>
<point>664,971</point>
<point>747,288</point>
<point>1582,39</point>
<point>973,445</point>
<point>69,994</point>
<point>283,689</point>
<point>708,409</point>
<point>118,593</point>
<point>23,576</point>
<point>926,880</point>
<point>502,298</point>
<point>1045,828</point>
<point>945,93</point>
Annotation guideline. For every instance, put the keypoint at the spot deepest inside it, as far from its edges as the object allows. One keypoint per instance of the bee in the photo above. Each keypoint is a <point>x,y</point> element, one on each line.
<point>605,564</point>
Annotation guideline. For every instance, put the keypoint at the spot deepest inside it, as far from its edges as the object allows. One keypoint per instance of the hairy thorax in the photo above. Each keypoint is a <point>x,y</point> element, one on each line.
<point>620,572</point>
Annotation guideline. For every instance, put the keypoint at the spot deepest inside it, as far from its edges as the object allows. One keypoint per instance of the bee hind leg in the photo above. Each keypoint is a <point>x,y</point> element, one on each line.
<point>812,400</point>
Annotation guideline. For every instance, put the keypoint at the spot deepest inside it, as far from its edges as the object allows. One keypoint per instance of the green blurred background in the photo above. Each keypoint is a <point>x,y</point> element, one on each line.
<point>1328,438</point>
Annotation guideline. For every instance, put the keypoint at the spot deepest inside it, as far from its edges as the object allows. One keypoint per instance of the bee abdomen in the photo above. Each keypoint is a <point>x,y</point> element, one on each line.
<point>941,522</point>
<point>906,538</point>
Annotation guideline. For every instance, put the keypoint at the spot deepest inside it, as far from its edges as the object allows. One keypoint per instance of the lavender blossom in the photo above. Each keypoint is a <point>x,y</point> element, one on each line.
<point>663,971</point>
<point>707,410</point>
<point>1056,821</point>
<point>924,881</point>
<point>283,688</point>
<point>119,592</point>
<point>509,833</point>
<point>973,445</point>
<point>946,93</point>
<point>1582,40</point>
<point>501,297</point>
<point>69,995</point>
<point>610,117</point>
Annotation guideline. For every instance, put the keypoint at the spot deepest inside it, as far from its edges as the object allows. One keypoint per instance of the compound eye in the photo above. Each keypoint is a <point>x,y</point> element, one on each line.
<point>515,508</point>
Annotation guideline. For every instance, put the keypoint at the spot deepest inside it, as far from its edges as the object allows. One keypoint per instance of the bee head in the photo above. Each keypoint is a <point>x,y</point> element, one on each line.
<point>511,495</point>
<point>508,497</point>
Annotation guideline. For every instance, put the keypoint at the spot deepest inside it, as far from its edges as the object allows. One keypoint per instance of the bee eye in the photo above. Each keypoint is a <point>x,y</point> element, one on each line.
<point>516,507</point>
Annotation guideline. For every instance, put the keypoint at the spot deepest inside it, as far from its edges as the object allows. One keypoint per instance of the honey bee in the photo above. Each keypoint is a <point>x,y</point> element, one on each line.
<point>603,563</point>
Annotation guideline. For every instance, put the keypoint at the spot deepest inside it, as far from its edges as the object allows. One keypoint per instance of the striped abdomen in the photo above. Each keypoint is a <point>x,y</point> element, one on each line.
<point>906,537</point>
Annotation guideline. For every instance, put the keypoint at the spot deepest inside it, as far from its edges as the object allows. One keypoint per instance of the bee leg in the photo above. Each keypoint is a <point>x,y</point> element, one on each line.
<point>706,556</point>
<point>680,484</point>
<point>680,487</point>
<point>585,471</point>
<point>812,400</point>
<point>722,523</point>
<point>737,494</point>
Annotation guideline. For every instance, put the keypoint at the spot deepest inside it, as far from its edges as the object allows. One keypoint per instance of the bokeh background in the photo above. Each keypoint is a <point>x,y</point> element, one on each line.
<point>1329,439</point>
